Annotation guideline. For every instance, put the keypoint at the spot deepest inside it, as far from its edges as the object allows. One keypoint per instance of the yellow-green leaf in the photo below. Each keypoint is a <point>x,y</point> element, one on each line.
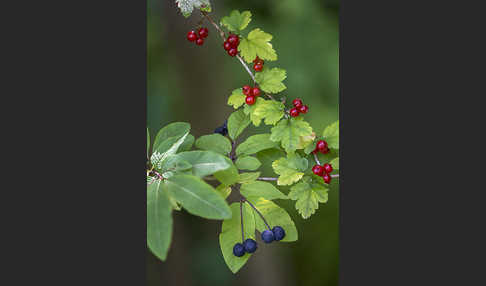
<point>308,194</point>
<point>236,21</point>
<point>270,80</point>
<point>289,131</point>
<point>331,135</point>
<point>237,98</point>
<point>290,169</point>
<point>257,44</point>
<point>270,110</point>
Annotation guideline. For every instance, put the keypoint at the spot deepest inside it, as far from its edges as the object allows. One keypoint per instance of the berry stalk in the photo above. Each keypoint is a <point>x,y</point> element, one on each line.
<point>258,212</point>
<point>241,216</point>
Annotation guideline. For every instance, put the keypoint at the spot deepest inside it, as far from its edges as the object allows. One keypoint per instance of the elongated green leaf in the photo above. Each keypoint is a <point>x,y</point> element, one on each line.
<point>236,21</point>
<point>237,98</point>
<point>257,44</point>
<point>275,216</point>
<point>205,163</point>
<point>164,151</point>
<point>186,146</point>
<point>228,176</point>
<point>237,122</point>
<point>261,189</point>
<point>231,234</point>
<point>214,142</point>
<point>270,80</point>
<point>197,197</point>
<point>290,169</point>
<point>289,131</point>
<point>331,135</point>
<point>248,177</point>
<point>308,194</point>
<point>175,129</point>
<point>247,163</point>
<point>254,144</point>
<point>159,220</point>
<point>175,163</point>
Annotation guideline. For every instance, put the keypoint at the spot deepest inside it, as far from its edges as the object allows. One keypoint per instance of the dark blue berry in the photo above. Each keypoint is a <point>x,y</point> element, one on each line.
<point>267,236</point>
<point>239,250</point>
<point>223,129</point>
<point>278,233</point>
<point>250,245</point>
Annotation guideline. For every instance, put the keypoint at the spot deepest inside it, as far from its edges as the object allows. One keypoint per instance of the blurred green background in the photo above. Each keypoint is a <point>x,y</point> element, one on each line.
<point>192,83</point>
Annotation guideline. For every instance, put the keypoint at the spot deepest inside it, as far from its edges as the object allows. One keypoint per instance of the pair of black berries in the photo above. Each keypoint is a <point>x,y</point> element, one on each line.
<point>250,245</point>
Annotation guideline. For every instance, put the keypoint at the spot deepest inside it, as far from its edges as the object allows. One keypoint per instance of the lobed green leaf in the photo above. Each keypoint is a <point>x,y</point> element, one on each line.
<point>290,169</point>
<point>237,98</point>
<point>270,80</point>
<point>331,135</point>
<point>236,21</point>
<point>308,195</point>
<point>257,43</point>
<point>289,131</point>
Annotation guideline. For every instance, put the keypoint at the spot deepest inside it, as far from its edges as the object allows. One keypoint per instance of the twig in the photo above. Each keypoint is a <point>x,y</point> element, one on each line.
<point>267,179</point>
<point>317,159</point>
<point>335,176</point>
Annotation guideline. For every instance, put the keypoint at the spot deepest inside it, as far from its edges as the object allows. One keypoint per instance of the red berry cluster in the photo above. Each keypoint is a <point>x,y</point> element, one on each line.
<point>251,94</point>
<point>198,37</point>
<point>323,171</point>
<point>322,147</point>
<point>231,44</point>
<point>298,108</point>
<point>258,64</point>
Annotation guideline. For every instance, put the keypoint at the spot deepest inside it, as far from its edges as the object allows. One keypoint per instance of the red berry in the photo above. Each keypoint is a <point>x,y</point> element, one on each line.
<point>203,32</point>
<point>294,112</point>
<point>303,109</point>
<point>246,90</point>
<point>318,170</point>
<point>199,41</point>
<point>325,151</point>
<point>226,45</point>
<point>257,60</point>
<point>232,52</point>
<point>321,145</point>
<point>327,178</point>
<point>234,40</point>
<point>327,168</point>
<point>255,91</point>
<point>297,102</point>
<point>191,36</point>
<point>250,100</point>
<point>257,67</point>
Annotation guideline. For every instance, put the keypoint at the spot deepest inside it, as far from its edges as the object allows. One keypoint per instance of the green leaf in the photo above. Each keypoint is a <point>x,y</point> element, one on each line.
<point>270,110</point>
<point>335,163</point>
<point>236,21</point>
<point>290,169</point>
<point>237,122</point>
<point>175,129</point>
<point>175,163</point>
<point>257,44</point>
<point>274,215</point>
<point>187,6</point>
<point>224,190</point>
<point>261,189</point>
<point>270,80</point>
<point>164,151</point>
<point>186,146</point>
<point>248,177</point>
<point>255,118</point>
<point>268,156</point>
<point>148,142</point>
<point>231,234</point>
<point>331,135</point>
<point>308,195</point>
<point>237,98</point>
<point>205,162</point>
<point>197,197</point>
<point>289,131</point>
<point>228,176</point>
<point>214,142</point>
<point>159,220</point>
<point>247,163</point>
<point>254,144</point>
